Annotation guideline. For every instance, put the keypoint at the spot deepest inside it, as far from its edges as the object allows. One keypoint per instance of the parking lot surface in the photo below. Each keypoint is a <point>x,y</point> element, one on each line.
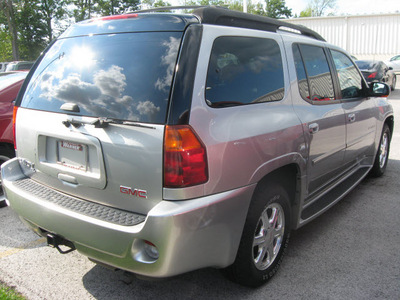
<point>350,252</point>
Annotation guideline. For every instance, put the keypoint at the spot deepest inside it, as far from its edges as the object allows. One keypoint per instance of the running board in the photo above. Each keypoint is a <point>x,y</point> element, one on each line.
<point>327,200</point>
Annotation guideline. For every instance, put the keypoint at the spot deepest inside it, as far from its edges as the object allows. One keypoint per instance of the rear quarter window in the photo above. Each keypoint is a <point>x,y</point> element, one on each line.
<point>244,70</point>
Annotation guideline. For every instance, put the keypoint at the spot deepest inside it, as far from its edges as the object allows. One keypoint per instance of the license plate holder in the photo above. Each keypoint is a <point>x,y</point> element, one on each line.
<point>72,155</point>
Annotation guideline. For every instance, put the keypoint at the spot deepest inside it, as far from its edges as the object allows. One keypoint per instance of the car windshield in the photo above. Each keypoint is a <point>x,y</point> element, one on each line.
<point>367,65</point>
<point>124,76</point>
<point>7,79</point>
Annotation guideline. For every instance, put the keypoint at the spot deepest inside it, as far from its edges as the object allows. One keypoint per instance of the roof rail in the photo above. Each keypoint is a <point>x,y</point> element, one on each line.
<point>166,8</point>
<point>227,17</point>
<point>217,15</point>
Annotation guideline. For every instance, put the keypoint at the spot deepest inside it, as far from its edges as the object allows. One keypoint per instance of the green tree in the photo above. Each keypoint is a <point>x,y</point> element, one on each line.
<point>7,7</point>
<point>161,3</point>
<point>115,7</point>
<point>306,13</point>
<point>277,9</point>
<point>5,45</point>
<point>83,9</point>
<point>53,12</point>
<point>32,33</point>
<point>320,7</point>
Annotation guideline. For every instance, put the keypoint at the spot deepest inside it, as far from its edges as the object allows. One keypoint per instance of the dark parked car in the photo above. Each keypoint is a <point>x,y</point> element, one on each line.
<point>10,83</point>
<point>377,71</point>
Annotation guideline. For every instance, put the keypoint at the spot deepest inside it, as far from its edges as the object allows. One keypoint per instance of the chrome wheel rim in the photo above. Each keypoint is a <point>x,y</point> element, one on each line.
<point>268,236</point>
<point>383,150</point>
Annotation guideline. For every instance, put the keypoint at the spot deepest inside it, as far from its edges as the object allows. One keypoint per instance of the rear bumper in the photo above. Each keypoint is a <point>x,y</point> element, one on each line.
<point>189,235</point>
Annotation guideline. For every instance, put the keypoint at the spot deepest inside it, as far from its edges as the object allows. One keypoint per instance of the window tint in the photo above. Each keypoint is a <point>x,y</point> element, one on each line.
<point>349,79</point>
<point>301,73</point>
<point>122,76</point>
<point>318,73</point>
<point>244,70</point>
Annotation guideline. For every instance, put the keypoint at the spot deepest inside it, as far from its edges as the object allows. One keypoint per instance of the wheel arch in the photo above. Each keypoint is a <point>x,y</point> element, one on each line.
<point>390,122</point>
<point>290,177</point>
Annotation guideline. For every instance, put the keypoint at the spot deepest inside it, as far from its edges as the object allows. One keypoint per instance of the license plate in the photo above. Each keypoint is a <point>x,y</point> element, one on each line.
<point>72,155</point>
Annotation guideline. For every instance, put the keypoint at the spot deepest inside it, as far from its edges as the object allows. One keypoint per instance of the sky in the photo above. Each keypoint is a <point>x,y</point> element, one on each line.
<point>352,7</point>
<point>345,7</point>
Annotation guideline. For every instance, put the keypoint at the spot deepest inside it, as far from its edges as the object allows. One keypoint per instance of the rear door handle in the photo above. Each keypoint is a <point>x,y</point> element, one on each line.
<point>313,128</point>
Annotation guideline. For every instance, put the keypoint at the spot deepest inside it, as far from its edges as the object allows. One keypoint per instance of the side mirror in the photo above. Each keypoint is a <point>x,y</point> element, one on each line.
<point>379,89</point>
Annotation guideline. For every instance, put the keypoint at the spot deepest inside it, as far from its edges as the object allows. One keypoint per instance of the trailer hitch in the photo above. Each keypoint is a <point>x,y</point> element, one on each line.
<point>55,241</point>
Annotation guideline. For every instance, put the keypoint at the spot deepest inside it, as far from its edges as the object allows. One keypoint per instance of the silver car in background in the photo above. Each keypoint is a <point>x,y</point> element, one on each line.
<point>162,143</point>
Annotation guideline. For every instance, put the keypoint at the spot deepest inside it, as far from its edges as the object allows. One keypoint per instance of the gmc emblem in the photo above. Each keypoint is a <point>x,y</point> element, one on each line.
<point>133,192</point>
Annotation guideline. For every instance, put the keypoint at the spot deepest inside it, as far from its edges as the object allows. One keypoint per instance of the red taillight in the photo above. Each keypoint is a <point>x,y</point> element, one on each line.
<point>13,122</point>
<point>372,75</point>
<point>185,159</point>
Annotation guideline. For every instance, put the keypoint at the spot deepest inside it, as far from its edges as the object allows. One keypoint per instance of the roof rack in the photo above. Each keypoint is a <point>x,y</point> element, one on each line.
<point>166,8</point>
<point>217,15</point>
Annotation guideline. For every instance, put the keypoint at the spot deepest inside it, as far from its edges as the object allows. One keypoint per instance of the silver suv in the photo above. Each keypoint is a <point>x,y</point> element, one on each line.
<point>162,143</point>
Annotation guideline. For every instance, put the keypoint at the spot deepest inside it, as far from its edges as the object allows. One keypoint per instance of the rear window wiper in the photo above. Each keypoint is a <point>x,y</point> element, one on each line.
<point>102,123</point>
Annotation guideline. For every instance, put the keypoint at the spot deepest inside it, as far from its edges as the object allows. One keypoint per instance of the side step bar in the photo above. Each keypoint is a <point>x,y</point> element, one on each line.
<point>327,200</point>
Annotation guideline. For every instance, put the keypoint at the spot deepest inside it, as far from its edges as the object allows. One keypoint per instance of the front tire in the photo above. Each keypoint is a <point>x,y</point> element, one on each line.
<point>382,155</point>
<point>265,237</point>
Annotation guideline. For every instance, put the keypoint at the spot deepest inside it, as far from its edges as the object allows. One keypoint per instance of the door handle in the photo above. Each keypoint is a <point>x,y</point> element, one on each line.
<point>313,128</point>
<point>351,118</point>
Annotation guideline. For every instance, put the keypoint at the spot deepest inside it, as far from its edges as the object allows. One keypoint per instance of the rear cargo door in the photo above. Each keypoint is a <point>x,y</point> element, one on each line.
<point>92,117</point>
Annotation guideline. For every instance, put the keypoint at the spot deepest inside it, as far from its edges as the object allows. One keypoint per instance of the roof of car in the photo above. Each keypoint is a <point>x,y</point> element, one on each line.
<point>158,20</point>
<point>227,17</point>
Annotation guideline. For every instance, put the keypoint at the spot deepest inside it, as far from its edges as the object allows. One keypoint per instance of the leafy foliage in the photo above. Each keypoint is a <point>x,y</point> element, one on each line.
<point>318,8</point>
<point>7,293</point>
<point>28,26</point>
<point>32,34</point>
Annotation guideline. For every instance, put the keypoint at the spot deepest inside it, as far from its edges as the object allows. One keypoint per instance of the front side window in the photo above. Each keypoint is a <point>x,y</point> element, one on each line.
<point>349,79</point>
<point>125,76</point>
<point>244,70</point>
<point>313,61</point>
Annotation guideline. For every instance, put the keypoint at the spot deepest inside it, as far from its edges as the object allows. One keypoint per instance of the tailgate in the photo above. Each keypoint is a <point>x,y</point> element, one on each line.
<point>119,166</point>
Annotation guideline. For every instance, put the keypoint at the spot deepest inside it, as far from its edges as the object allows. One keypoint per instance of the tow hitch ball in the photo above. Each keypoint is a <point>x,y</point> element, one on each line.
<point>55,241</point>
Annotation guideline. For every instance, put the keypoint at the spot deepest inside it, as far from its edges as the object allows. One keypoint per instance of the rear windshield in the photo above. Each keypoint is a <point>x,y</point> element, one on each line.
<point>366,65</point>
<point>124,76</point>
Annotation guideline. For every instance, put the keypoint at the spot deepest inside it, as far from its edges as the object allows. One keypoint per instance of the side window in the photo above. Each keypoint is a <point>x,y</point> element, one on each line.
<point>349,78</point>
<point>244,70</point>
<point>313,60</point>
<point>301,73</point>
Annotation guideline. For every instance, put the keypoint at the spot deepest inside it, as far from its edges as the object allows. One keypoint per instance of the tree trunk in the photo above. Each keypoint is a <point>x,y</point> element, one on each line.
<point>12,26</point>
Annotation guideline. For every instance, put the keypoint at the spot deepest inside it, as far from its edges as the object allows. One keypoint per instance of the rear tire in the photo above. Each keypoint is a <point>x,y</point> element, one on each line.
<point>265,237</point>
<point>6,152</point>
<point>382,155</point>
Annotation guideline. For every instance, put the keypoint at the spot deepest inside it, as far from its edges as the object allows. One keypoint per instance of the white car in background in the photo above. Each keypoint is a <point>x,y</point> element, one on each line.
<point>394,62</point>
<point>3,66</point>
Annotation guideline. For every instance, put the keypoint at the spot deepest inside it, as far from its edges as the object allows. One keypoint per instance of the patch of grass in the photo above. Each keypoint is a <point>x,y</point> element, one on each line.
<point>7,293</point>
